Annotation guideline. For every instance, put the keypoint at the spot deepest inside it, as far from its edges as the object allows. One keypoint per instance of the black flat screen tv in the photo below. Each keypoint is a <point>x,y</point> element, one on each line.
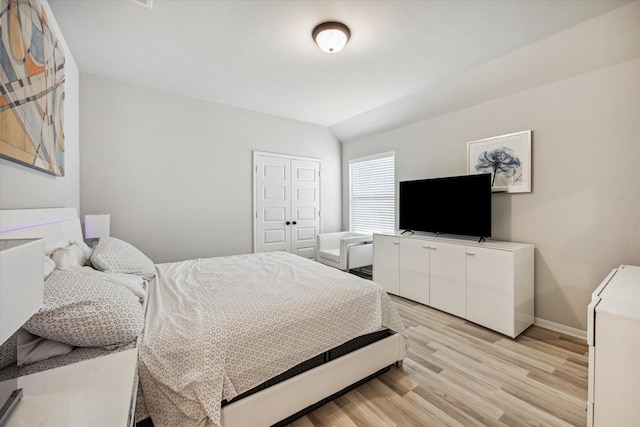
<point>459,205</point>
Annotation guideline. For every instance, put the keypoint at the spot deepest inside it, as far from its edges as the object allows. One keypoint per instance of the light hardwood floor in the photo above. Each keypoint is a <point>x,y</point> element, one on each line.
<point>459,374</point>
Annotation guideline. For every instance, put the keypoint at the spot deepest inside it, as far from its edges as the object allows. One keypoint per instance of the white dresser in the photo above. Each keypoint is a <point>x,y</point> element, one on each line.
<point>488,283</point>
<point>614,350</point>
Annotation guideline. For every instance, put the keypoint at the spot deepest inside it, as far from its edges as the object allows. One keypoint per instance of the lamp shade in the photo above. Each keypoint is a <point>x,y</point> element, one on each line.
<point>331,36</point>
<point>96,226</point>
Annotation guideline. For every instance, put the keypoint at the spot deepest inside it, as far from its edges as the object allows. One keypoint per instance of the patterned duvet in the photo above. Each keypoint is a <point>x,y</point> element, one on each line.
<point>217,327</point>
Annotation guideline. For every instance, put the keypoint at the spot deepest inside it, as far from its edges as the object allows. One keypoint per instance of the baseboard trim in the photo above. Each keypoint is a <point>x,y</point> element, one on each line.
<point>557,327</point>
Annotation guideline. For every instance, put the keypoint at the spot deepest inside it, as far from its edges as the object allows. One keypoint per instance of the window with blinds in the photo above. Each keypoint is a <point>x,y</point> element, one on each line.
<point>372,194</point>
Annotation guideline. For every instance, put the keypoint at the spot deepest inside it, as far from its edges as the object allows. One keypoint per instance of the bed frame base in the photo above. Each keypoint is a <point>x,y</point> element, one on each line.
<point>311,389</point>
<point>315,406</point>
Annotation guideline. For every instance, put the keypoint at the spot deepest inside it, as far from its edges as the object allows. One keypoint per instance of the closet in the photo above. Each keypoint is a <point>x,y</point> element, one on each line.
<point>286,203</point>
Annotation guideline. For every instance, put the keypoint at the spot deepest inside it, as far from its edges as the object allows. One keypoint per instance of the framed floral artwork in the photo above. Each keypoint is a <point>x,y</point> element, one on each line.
<point>506,157</point>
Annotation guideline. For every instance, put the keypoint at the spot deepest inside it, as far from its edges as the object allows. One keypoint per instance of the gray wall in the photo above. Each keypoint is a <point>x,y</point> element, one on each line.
<point>25,188</point>
<point>583,215</point>
<point>175,173</point>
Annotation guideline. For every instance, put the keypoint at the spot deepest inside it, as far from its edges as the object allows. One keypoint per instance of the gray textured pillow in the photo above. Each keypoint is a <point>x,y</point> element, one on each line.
<point>86,311</point>
<point>118,256</point>
<point>9,351</point>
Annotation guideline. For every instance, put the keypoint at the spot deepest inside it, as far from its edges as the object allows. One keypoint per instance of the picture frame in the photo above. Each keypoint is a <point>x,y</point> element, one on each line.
<point>506,157</point>
<point>32,100</point>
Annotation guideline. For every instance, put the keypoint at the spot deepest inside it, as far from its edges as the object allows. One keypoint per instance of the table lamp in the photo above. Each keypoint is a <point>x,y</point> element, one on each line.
<point>96,226</point>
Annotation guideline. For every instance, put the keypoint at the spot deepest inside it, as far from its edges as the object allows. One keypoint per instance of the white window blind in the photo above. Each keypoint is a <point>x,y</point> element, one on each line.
<point>372,194</point>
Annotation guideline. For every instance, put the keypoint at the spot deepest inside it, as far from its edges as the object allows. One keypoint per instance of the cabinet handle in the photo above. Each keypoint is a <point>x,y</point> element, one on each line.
<point>396,242</point>
<point>287,223</point>
<point>470,253</point>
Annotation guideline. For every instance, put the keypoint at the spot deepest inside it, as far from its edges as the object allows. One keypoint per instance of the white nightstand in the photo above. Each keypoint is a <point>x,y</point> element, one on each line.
<point>96,392</point>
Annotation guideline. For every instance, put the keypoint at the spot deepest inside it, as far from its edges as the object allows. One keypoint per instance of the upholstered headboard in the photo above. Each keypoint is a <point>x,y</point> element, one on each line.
<point>52,224</point>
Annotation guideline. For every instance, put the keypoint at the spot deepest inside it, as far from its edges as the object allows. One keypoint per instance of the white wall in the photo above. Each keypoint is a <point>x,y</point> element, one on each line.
<point>176,172</point>
<point>584,212</point>
<point>22,187</point>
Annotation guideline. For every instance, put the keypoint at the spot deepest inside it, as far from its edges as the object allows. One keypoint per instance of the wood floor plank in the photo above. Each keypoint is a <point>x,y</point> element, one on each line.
<point>457,374</point>
<point>580,361</point>
<point>398,381</point>
<point>527,414</point>
<point>403,412</point>
<point>301,422</point>
<point>437,415</point>
<point>331,414</point>
<point>454,407</point>
<point>362,411</point>
<point>459,394</point>
<point>548,403</point>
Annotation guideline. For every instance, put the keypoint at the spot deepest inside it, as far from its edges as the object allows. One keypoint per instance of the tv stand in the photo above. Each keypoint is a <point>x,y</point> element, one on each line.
<point>409,232</point>
<point>482,239</point>
<point>486,282</point>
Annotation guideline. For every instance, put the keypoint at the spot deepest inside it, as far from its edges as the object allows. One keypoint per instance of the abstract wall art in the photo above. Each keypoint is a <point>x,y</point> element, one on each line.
<point>31,88</point>
<point>506,157</point>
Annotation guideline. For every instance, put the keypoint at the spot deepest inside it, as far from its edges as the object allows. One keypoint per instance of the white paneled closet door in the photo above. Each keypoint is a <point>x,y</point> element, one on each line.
<point>305,206</point>
<point>287,204</point>
<point>272,204</point>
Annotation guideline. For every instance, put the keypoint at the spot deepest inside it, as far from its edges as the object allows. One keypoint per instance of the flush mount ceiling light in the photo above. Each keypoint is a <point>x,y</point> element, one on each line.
<point>331,36</point>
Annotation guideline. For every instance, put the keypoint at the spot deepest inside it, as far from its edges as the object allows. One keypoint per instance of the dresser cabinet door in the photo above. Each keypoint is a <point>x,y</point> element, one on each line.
<point>414,270</point>
<point>447,287</point>
<point>490,288</point>
<point>386,257</point>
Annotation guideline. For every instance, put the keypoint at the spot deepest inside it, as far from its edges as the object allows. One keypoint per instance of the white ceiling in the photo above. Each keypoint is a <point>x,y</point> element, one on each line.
<point>259,55</point>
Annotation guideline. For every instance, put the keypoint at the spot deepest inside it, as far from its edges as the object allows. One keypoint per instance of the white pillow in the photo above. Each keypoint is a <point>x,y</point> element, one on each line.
<point>131,282</point>
<point>118,256</point>
<point>32,348</point>
<point>77,253</point>
<point>86,311</point>
<point>51,247</point>
<point>49,266</point>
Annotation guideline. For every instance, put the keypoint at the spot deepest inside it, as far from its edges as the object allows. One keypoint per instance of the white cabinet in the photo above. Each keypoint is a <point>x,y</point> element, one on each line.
<point>414,270</point>
<point>386,262</point>
<point>613,334</point>
<point>98,392</point>
<point>500,288</point>
<point>22,290</point>
<point>448,290</point>
<point>488,283</point>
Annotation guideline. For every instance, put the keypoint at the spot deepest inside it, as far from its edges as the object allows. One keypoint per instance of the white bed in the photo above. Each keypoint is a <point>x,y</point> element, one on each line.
<point>277,402</point>
<point>55,226</point>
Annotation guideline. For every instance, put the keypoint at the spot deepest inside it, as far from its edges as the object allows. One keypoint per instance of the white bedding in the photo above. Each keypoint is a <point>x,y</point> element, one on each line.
<point>217,327</point>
